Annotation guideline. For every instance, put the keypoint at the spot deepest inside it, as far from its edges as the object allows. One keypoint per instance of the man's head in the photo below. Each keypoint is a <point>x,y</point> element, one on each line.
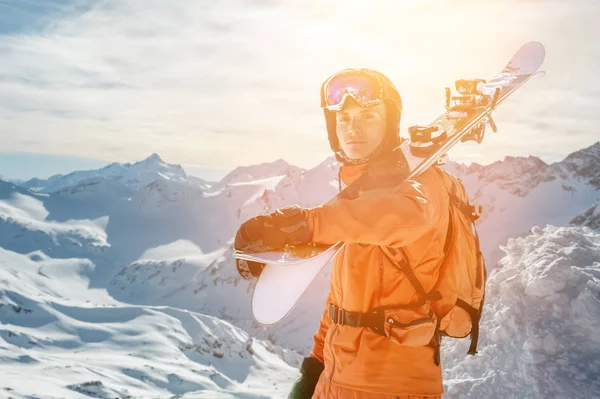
<point>362,112</point>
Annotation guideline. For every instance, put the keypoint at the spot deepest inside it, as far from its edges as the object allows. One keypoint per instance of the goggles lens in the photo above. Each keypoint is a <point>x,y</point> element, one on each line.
<point>365,89</point>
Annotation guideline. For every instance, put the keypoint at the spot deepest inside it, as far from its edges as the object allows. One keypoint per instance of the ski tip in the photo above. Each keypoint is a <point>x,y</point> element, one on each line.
<point>534,47</point>
<point>533,43</point>
<point>528,59</point>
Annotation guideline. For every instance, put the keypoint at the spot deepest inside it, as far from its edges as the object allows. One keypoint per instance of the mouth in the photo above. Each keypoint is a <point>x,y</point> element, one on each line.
<point>355,142</point>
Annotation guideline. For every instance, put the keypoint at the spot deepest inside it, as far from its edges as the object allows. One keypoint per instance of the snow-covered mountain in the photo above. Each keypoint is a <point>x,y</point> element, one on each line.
<point>136,175</point>
<point>519,176</point>
<point>150,237</point>
<point>519,193</point>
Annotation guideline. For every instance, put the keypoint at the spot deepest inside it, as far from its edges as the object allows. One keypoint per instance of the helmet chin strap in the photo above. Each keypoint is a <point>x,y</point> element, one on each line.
<point>374,154</point>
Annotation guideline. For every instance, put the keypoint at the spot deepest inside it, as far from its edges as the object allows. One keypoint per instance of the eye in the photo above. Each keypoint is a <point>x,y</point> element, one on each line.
<point>369,116</point>
<point>343,119</point>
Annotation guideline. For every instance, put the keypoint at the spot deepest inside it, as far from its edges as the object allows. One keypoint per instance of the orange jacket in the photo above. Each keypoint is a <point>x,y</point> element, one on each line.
<point>413,216</point>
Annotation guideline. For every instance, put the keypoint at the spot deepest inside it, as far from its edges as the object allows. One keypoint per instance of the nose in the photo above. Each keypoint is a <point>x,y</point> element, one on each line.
<point>354,128</point>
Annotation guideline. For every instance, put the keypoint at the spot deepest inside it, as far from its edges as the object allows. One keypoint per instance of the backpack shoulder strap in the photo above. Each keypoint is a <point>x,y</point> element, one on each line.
<point>393,254</point>
<point>398,258</point>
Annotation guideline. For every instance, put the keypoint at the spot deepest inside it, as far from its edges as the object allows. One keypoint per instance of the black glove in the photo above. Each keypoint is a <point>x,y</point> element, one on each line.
<point>304,388</point>
<point>275,231</point>
<point>249,269</point>
<point>286,226</point>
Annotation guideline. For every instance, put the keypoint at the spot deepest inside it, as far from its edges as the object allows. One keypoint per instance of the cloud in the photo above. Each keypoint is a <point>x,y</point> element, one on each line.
<point>230,83</point>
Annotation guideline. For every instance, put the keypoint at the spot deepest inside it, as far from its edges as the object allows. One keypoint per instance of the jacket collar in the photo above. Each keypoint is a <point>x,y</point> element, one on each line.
<point>349,173</point>
<point>382,165</point>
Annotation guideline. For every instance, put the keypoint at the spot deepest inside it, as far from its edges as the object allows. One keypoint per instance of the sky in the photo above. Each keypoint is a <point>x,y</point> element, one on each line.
<point>215,85</point>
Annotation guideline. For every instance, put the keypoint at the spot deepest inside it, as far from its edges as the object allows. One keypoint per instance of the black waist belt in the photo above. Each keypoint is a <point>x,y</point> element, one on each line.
<point>373,320</point>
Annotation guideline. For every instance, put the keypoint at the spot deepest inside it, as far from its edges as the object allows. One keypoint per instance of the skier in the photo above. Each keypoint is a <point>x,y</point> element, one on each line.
<point>378,337</point>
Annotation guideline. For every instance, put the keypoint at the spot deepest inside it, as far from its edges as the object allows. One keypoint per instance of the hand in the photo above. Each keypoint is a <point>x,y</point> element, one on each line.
<point>304,388</point>
<point>265,233</point>
<point>249,269</point>
<point>286,226</point>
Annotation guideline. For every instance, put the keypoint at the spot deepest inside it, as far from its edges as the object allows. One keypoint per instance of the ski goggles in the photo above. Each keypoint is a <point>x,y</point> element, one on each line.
<point>364,87</point>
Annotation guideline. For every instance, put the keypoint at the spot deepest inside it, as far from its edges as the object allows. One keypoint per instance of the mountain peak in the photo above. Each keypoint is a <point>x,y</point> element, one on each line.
<point>281,161</point>
<point>135,175</point>
<point>154,158</point>
<point>529,161</point>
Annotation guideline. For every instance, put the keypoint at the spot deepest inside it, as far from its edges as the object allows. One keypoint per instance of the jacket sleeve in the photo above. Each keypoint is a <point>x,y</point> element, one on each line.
<point>394,219</point>
<point>319,337</point>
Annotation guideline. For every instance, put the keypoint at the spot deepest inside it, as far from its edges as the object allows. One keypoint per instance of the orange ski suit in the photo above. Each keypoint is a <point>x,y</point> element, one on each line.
<point>359,362</point>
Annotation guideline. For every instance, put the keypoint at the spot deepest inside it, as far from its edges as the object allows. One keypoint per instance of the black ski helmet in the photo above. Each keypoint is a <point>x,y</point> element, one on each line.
<point>392,101</point>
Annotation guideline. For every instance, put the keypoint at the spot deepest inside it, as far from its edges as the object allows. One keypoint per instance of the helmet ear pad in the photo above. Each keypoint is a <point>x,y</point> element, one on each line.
<point>392,133</point>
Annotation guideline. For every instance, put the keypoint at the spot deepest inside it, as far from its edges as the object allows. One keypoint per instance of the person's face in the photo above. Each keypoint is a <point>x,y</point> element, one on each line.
<point>360,130</point>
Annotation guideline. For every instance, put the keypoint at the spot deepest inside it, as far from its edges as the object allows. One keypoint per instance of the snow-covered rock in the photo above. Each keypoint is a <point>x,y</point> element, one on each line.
<point>539,329</point>
<point>590,218</point>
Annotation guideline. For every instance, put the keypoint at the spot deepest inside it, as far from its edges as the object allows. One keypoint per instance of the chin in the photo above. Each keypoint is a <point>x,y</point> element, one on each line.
<point>357,157</point>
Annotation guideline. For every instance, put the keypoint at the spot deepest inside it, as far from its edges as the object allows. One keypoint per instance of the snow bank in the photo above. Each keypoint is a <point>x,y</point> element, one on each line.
<point>540,328</point>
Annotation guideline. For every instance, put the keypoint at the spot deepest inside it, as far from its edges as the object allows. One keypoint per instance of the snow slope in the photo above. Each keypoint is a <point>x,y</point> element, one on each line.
<point>60,338</point>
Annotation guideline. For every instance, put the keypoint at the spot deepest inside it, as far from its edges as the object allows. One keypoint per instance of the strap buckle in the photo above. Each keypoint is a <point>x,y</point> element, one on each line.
<point>377,322</point>
<point>340,316</point>
<point>476,211</point>
<point>336,314</point>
